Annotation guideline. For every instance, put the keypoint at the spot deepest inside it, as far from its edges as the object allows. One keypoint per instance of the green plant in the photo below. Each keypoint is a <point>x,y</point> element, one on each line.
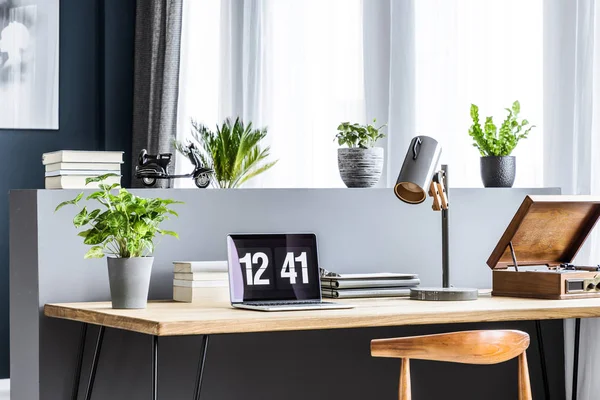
<point>357,135</point>
<point>233,151</point>
<point>125,226</point>
<point>493,142</point>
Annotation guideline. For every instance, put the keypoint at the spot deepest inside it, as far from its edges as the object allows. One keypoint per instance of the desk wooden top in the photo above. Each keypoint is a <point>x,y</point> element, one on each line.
<point>168,318</point>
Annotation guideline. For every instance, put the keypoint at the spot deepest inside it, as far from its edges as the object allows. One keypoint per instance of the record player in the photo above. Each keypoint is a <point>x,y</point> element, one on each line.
<point>535,254</point>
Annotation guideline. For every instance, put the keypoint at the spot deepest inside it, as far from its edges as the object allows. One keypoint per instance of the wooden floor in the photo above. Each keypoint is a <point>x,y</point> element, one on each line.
<point>170,318</point>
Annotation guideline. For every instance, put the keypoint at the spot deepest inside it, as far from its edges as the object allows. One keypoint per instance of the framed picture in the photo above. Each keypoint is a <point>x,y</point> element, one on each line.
<point>29,64</point>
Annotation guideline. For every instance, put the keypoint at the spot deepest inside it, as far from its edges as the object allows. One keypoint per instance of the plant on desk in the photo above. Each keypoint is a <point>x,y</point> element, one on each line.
<point>123,229</point>
<point>361,163</point>
<point>498,167</point>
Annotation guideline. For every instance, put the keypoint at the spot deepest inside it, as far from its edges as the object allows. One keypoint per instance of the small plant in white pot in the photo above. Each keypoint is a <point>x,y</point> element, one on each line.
<point>361,163</point>
<point>123,229</point>
<point>498,167</point>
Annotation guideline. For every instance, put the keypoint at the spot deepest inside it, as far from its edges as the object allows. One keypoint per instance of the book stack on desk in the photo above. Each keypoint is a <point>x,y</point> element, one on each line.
<point>197,280</point>
<point>69,169</point>
<point>340,286</point>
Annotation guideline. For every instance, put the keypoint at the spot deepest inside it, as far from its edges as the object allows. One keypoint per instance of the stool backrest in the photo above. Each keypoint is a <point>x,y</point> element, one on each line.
<point>471,347</point>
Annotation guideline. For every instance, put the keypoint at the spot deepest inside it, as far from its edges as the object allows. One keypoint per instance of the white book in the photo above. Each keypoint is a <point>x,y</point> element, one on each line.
<point>200,266</point>
<point>190,295</point>
<point>196,284</point>
<point>77,182</point>
<point>82,156</point>
<point>80,166</point>
<point>201,276</point>
<point>74,172</point>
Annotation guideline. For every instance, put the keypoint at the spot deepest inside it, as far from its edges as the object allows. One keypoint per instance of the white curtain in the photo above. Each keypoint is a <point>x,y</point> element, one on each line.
<point>294,66</point>
<point>484,52</point>
<point>572,140</point>
<point>301,67</point>
<point>389,76</point>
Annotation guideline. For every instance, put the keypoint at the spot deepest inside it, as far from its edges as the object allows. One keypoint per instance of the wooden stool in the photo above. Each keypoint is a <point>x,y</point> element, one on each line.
<point>471,347</point>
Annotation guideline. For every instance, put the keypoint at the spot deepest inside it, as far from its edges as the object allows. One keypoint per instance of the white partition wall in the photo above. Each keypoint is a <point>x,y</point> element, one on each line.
<point>358,231</point>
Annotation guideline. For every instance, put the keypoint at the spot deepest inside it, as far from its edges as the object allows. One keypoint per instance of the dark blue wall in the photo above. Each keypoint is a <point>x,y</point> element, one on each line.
<point>95,107</point>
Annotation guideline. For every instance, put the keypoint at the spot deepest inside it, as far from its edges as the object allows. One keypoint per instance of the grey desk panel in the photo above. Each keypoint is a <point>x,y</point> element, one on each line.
<point>357,230</point>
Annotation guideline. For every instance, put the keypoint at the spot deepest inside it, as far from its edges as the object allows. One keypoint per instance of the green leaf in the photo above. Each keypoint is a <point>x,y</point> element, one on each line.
<point>170,233</point>
<point>99,178</point>
<point>95,252</point>
<point>363,136</point>
<point>493,141</point>
<point>69,202</point>
<point>81,218</point>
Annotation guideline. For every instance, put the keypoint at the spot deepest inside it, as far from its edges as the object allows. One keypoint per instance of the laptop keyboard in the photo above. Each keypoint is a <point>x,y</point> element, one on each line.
<point>286,303</point>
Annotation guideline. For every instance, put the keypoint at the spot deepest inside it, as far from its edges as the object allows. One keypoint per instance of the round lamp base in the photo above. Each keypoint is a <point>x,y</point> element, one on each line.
<point>443,294</point>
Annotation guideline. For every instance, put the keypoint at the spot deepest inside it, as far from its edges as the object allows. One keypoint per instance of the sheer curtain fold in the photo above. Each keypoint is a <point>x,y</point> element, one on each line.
<point>243,57</point>
<point>389,76</point>
<point>572,143</point>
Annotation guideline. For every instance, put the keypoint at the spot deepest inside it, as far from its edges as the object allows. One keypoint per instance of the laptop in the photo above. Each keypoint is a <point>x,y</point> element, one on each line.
<point>275,272</point>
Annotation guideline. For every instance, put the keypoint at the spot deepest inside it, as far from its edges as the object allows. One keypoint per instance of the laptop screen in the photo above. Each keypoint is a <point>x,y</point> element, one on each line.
<point>266,267</point>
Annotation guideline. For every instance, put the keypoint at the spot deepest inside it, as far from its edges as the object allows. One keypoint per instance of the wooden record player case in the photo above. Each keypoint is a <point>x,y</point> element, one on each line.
<point>546,232</point>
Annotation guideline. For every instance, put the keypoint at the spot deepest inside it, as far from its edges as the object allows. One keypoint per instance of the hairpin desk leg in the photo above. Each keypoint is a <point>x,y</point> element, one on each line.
<point>576,358</point>
<point>77,377</point>
<point>201,367</point>
<point>540,340</point>
<point>90,386</point>
<point>154,367</point>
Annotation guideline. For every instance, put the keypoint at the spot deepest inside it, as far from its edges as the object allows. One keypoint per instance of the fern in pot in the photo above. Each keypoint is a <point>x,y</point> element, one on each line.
<point>498,167</point>
<point>360,163</point>
<point>124,229</point>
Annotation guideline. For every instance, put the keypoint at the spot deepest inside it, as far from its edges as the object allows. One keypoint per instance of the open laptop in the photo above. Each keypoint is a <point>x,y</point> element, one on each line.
<point>275,272</point>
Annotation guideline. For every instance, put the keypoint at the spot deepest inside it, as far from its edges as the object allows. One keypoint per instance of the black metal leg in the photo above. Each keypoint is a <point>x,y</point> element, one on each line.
<point>90,386</point>
<point>540,340</point>
<point>201,367</point>
<point>576,358</point>
<point>154,367</point>
<point>77,377</point>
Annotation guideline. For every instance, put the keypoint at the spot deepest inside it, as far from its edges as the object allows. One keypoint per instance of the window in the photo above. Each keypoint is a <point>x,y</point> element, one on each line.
<point>484,52</point>
<point>310,60</point>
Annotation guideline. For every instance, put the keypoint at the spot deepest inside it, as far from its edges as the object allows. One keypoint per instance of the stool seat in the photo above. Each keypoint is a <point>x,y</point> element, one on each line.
<point>470,347</point>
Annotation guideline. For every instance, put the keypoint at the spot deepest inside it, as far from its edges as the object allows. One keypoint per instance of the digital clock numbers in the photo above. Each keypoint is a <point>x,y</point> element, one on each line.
<point>257,264</point>
<point>273,266</point>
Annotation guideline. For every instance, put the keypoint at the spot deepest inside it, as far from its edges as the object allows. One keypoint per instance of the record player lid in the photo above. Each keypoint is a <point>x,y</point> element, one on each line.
<point>547,230</point>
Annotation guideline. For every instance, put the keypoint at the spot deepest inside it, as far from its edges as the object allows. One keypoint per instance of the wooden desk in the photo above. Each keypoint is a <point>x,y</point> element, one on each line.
<point>168,318</point>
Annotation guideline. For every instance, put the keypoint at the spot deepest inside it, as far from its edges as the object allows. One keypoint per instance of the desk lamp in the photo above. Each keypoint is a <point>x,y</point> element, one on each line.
<point>418,177</point>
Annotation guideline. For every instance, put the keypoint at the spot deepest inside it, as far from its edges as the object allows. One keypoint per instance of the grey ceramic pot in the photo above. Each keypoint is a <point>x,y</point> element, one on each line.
<point>129,280</point>
<point>498,171</point>
<point>360,168</point>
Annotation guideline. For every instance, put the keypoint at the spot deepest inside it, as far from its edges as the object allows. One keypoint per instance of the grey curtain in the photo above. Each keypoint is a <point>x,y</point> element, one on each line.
<point>156,82</point>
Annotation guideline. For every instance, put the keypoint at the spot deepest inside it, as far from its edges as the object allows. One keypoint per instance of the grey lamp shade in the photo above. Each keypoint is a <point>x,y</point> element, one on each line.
<point>417,170</point>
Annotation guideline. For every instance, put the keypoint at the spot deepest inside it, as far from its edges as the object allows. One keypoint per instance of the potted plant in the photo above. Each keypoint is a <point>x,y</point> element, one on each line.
<point>233,151</point>
<point>360,164</point>
<point>498,167</point>
<point>123,229</point>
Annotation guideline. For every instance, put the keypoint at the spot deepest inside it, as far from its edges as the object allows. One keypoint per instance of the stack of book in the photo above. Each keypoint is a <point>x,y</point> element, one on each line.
<point>68,169</point>
<point>197,280</point>
<point>384,284</point>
